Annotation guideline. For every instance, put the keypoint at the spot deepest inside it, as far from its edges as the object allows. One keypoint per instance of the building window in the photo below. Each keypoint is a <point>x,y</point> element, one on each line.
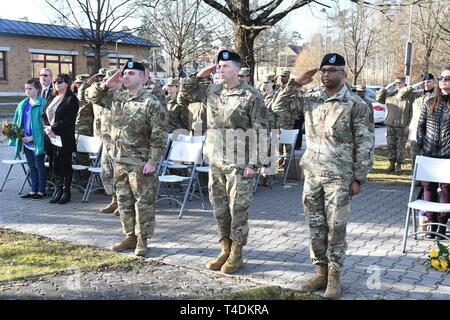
<point>113,62</point>
<point>56,63</point>
<point>3,65</point>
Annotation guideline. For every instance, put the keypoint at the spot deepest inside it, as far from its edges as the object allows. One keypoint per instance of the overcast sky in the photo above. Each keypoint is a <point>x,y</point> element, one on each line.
<point>304,20</point>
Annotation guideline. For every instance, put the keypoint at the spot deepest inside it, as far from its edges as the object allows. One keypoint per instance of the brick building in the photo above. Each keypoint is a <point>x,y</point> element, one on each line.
<point>27,47</point>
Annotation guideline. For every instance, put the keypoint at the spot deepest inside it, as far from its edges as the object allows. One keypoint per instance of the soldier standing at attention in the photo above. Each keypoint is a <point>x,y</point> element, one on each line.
<point>231,105</point>
<point>398,117</point>
<point>339,154</point>
<point>139,135</point>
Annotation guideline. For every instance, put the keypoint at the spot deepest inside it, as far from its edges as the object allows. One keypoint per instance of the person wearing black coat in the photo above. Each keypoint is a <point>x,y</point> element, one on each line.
<point>59,119</point>
<point>433,137</point>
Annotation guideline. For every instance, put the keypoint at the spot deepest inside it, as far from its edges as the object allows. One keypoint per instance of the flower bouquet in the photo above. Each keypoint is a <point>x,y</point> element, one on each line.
<point>12,131</point>
<point>439,258</point>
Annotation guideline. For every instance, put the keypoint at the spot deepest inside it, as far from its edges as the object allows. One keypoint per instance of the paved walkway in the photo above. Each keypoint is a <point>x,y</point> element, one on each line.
<point>277,252</point>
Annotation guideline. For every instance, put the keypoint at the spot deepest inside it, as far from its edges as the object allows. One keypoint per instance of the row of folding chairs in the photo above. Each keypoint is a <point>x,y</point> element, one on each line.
<point>180,167</point>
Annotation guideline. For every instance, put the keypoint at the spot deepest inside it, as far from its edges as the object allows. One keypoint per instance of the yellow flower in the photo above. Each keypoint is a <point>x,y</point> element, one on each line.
<point>444,264</point>
<point>434,253</point>
<point>435,263</point>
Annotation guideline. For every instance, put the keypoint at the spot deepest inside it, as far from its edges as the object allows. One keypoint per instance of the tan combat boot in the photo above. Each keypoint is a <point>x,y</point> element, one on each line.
<point>398,168</point>
<point>128,243</point>
<point>110,208</point>
<point>117,212</point>
<point>391,167</point>
<point>334,284</point>
<point>317,281</point>
<point>216,263</point>
<point>141,247</point>
<point>234,261</point>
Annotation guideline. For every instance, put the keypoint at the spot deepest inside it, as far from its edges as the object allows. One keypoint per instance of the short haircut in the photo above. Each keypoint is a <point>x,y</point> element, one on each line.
<point>237,64</point>
<point>48,70</point>
<point>35,83</point>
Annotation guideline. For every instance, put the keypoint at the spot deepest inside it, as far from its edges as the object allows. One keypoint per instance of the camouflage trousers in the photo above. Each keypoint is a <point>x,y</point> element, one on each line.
<point>327,208</point>
<point>136,199</point>
<point>231,195</point>
<point>396,138</point>
<point>415,151</point>
<point>107,164</point>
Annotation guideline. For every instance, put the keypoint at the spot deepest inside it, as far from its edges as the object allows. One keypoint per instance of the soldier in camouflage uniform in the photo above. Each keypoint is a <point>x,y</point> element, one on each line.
<point>98,109</point>
<point>339,154</point>
<point>361,92</point>
<point>230,105</point>
<point>419,93</point>
<point>107,163</point>
<point>244,75</point>
<point>139,135</point>
<point>398,117</point>
<point>177,112</point>
<point>84,121</point>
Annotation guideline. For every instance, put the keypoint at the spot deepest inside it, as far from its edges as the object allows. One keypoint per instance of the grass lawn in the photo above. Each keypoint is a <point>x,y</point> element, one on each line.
<point>381,175</point>
<point>28,256</point>
<point>268,293</point>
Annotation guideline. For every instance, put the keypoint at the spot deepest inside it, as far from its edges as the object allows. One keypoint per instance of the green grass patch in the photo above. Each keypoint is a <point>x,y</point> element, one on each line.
<point>268,293</point>
<point>28,256</point>
<point>379,173</point>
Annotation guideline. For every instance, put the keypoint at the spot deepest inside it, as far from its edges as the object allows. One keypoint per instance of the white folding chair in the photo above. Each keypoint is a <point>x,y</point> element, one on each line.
<point>430,170</point>
<point>186,153</point>
<point>16,161</point>
<point>288,137</point>
<point>90,145</point>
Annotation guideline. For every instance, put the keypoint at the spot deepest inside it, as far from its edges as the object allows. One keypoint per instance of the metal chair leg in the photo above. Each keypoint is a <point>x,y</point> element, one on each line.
<point>6,178</point>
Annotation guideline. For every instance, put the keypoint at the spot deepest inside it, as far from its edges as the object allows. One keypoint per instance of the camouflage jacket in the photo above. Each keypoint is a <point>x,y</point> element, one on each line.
<point>228,113</point>
<point>178,118</point>
<point>399,111</point>
<point>340,140</point>
<point>419,97</point>
<point>139,125</point>
<point>84,123</point>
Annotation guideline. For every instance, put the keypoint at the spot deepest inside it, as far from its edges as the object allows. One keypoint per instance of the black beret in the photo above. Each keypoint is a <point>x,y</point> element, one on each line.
<point>428,76</point>
<point>133,65</point>
<point>332,59</point>
<point>226,55</point>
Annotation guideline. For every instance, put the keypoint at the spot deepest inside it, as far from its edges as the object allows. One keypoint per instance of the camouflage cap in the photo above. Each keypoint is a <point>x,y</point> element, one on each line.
<point>102,72</point>
<point>285,73</point>
<point>269,78</point>
<point>244,72</point>
<point>111,72</point>
<point>400,80</point>
<point>82,78</point>
<point>360,87</point>
<point>172,82</point>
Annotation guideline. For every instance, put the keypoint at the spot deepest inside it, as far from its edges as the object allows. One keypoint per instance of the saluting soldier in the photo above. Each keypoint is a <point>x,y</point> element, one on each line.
<point>339,154</point>
<point>231,105</point>
<point>139,135</point>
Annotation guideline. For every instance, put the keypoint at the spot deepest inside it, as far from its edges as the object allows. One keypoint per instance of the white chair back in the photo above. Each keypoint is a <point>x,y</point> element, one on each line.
<point>88,144</point>
<point>288,136</point>
<point>432,169</point>
<point>186,152</point>
<point>191,139</point>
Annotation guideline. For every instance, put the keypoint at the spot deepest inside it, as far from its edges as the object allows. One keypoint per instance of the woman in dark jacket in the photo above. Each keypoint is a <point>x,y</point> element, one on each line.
<point>433,137</point>
<point>59,119</point>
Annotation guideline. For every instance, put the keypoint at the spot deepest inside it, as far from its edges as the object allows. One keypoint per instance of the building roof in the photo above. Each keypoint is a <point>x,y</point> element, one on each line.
<point>22,28</point>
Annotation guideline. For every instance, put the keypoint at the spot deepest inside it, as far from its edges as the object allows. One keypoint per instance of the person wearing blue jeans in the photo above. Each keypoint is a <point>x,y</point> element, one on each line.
<point>28,116</point>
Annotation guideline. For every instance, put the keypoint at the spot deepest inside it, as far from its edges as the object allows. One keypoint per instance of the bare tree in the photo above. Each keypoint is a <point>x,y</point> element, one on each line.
<point>96,19</point>
<point>358,35</point>
<point>184,29</point>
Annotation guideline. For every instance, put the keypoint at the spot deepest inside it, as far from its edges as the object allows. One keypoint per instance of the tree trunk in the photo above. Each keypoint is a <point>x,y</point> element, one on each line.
<point>244,43</point>
<point>98,56</point>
